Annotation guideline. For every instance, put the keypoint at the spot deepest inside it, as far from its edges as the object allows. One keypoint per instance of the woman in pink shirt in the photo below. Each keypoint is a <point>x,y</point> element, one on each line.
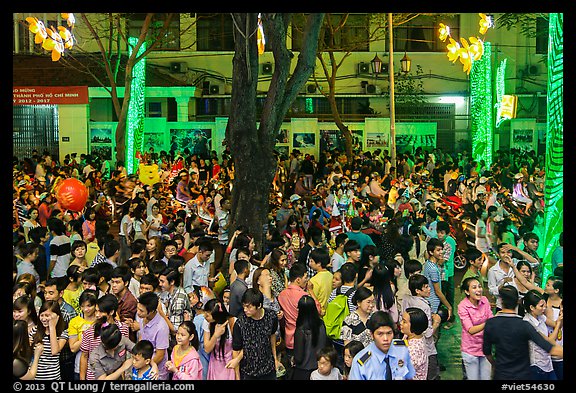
<point>474,310</point>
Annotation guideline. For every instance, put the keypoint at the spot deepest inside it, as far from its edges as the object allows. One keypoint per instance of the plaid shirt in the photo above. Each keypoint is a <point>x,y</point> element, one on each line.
<point>176,303</point>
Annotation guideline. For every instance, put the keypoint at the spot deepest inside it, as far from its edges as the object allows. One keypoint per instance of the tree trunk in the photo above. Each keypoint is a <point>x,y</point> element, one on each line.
<point>252,146</point>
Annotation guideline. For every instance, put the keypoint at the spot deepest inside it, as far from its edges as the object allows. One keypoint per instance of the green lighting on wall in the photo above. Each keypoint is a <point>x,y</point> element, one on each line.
<point>481,107</point>
<point>135,116</point>
<point>309,106</point>
<point>553,187</point>
<point>500,72</point>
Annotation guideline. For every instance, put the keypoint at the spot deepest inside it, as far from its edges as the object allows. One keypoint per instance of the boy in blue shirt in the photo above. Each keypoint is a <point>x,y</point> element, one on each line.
<point>142,357</point>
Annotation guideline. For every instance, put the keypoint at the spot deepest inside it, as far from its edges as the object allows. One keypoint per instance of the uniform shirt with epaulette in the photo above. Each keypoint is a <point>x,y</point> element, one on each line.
<point>369,364</point>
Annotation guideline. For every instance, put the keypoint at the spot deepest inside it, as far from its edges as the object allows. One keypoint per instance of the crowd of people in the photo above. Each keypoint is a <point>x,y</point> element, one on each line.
<point>354,279</point>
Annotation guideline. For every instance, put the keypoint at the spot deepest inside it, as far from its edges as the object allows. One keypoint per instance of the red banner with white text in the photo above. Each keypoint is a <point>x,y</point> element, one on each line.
<point>49,95</point>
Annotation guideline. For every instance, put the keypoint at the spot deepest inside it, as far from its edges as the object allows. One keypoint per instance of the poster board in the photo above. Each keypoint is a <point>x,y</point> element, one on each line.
<point>523,134</point>
<point>102,140</point>
<point>410,136</point>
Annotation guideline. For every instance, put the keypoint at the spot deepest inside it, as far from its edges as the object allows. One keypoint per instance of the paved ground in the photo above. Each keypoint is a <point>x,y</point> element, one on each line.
<point>449,343</point>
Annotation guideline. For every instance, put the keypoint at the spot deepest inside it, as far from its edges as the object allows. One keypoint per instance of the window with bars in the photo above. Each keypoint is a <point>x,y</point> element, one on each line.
<point>215,32</point>
<point>34,127</point>
<point>352,36</point>
<point>421,33</point>
<point>171,39</point>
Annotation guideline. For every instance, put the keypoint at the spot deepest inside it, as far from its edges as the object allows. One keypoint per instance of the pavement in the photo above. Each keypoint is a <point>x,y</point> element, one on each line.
<point>448,345</point>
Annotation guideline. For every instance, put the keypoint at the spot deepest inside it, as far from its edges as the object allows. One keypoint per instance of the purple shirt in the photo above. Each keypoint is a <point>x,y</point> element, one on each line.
<point>158,333</point>
<point>471,315</point>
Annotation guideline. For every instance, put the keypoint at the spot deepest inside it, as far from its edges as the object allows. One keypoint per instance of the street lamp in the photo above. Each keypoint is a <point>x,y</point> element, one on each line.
<point>376,65</point>
<point>405,64</point>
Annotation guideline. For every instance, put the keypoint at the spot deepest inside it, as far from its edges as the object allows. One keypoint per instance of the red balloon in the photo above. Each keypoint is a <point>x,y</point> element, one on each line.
<point>72,194</point>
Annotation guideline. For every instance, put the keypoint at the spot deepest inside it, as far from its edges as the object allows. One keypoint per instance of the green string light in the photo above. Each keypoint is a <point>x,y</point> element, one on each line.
<point>309,105</point>
<point>500,72</point>
<point>481,106</point>
<point>135,116</point>
<point>553,187</point>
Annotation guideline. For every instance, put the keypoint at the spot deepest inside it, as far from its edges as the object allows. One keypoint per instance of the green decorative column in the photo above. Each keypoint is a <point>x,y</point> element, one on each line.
<point>136,110</point>
<point>481,104</point>
<point>553,187</point>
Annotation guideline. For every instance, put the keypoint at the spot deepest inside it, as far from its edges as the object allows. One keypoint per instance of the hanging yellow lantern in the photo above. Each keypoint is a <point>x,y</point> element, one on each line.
<point>261,39</point>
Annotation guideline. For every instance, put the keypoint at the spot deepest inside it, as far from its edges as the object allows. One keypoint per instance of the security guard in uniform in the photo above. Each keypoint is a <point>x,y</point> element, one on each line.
<point>385,358</point>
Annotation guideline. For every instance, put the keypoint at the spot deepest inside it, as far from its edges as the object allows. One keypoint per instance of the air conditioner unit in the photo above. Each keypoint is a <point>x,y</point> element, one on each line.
<point>370,89</point>
<point>311,88</point>
<point>363,68</point>
<point>532,70</point>
<point>267,69</point>
<point>214,89</point>
<point>178,67</point>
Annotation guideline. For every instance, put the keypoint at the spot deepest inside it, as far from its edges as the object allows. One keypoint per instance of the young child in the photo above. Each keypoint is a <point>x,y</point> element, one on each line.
<point>350,350</point>
<point>185,361</point>
<point>142,353</point>
<point>326,370</point>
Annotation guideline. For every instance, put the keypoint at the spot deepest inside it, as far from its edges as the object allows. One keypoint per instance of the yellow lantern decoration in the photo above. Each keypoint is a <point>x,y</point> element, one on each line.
<point>485,23</point>
<point>453,48</point>
<point>261,39</point>
<point>476,48</point>
<point>468,52</point>
<point>37,27</point>
<point>54,40</point>
<point>70,20</point>
<point>444,32</point>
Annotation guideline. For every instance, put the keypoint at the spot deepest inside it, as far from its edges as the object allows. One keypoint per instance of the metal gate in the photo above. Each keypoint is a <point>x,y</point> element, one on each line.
<point>35,127</point>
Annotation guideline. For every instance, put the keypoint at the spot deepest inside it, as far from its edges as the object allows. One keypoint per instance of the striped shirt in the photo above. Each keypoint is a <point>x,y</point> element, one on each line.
<point>48,364</point>
<point>432,272</point>
<point>60,255</point>
<point>89,343</point>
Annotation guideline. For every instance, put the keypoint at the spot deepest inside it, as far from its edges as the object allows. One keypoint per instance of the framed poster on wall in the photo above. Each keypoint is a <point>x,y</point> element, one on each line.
<point>197,141</point>
<point>523,134</point>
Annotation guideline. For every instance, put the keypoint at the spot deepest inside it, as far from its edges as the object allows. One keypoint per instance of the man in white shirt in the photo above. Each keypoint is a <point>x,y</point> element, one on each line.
<point>197,269</point>
<point>501,274</point>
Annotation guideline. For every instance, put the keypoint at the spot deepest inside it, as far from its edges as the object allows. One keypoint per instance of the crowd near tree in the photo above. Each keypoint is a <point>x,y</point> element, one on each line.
<point>355,278</point>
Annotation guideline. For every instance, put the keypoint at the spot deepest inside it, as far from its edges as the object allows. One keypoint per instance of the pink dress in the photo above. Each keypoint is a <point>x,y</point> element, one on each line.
<point>217,365</point>
<point>190,367</point>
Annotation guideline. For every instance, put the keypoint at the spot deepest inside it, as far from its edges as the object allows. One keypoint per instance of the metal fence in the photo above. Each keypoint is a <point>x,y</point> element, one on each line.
<point>35,127</point>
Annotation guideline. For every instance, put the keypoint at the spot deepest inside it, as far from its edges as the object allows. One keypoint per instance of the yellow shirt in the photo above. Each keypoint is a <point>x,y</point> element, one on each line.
<point>77,326</point>
<point>91,251</point>
<point>72,297</point>
<point>322,282</point>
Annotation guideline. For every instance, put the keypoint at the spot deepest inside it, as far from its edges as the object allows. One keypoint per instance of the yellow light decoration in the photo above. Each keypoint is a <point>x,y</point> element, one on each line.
<point>54,43</point>
<point>453,48</point>
<point>37,27</point>
<point>70,20</point>
<point>485,23</point>
<point>476,48</point>
<point>468,52</point>
<point>261,39</point>
<point>444,32</point>
<point>66,37</point>
<point>508,106</point>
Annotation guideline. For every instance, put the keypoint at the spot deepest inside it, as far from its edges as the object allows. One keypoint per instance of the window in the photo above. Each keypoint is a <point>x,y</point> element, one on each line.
<point>154,109</point>
<point>215,32</point>
<point>421,34</point>
<point>542,26</point>
<point>171,39</point>
<point>353,36</point>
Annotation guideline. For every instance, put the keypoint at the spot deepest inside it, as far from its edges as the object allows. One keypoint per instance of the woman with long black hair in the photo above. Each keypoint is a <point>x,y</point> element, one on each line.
<point>218,327</point>
<point>309,337</point>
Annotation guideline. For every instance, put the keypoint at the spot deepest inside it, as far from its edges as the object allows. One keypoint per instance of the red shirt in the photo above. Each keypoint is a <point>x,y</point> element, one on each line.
<point>288,300</point>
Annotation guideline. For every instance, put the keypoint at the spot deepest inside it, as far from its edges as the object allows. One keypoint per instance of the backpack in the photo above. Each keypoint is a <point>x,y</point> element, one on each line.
<point>336,311</point>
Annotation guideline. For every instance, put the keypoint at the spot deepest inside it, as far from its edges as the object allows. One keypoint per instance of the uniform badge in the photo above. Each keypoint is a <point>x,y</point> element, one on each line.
<point>400,363</point>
